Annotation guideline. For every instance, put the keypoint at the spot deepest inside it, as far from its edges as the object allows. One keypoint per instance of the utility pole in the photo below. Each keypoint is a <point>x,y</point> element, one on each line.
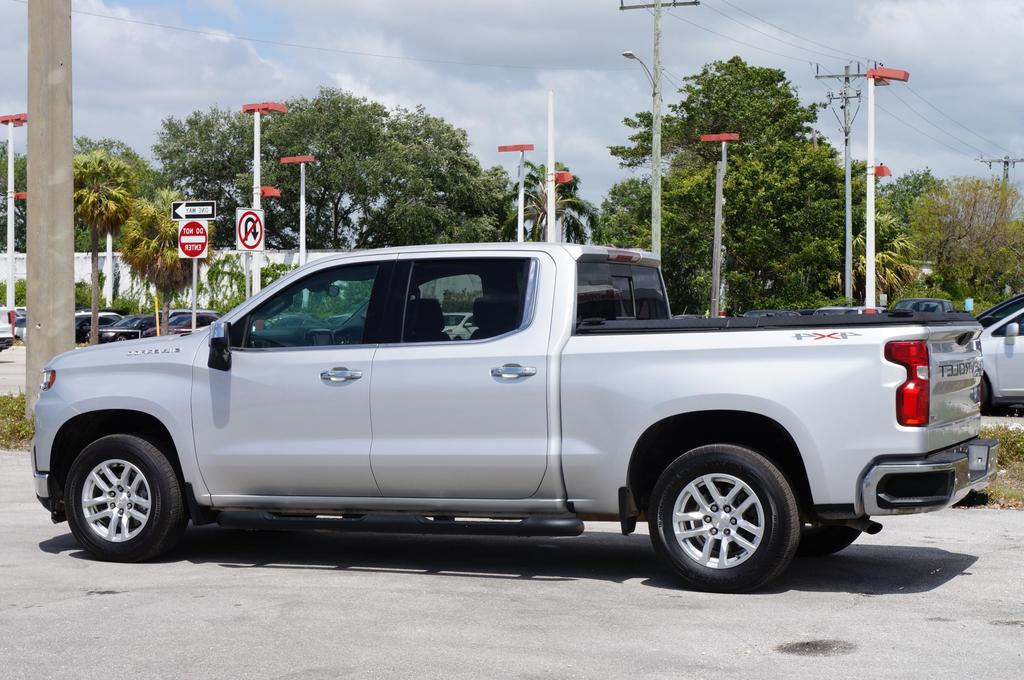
<point>51,240</point>
<point>846,96</point>
<point>301,160</point>
<point>1006,162</point>
<point>12,121</point>
<point>716,252</point>
<point>656,114</point>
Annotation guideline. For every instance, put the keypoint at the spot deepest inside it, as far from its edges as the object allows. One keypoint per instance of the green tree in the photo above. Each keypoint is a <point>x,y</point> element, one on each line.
<point>103,200</point>
<point>382,176</point>
<point>726,96</point>
<point>207,156</point>
<point>576,217</point>
<point>970,231</point>
<point>149,245</point>
<point>895,254</point>
<point>901,194</point>
<point>625,216</point>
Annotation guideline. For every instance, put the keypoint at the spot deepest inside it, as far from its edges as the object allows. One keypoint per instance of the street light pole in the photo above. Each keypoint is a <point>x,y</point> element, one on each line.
<point>884,76</point>
<point>301,160</point>
<point>716,252</point>
<point>521,218</point>
<point>253,265</point>
<point>553,235</point>
<point>12,121</point>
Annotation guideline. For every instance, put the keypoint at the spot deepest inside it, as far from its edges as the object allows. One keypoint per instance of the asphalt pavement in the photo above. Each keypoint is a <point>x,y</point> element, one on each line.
<point>12,370</point>
<point>932,596</point>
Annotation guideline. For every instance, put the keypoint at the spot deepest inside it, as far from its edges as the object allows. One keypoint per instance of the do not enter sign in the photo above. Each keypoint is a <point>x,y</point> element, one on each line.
<point>193,239</point>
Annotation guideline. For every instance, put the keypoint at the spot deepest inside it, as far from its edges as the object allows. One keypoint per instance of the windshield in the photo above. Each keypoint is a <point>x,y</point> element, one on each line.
<point>129,322</point>
<point>1001,311</point>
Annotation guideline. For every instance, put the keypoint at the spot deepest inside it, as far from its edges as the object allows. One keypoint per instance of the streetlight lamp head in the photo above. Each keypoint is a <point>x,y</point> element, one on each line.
<point>628,54</point>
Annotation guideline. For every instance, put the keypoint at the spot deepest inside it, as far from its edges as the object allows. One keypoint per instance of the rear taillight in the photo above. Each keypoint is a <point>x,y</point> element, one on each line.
<point>912,395</point>
<point>12,316</point>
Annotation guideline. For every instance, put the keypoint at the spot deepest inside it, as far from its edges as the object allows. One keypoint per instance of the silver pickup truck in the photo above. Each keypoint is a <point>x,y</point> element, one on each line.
<point>335,399</point>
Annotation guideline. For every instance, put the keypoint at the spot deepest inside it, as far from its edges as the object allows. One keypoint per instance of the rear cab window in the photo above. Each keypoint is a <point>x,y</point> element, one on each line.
<point>613,290</point>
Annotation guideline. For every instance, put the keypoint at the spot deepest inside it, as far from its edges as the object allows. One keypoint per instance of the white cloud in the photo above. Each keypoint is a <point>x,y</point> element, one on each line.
<point>963,57</point>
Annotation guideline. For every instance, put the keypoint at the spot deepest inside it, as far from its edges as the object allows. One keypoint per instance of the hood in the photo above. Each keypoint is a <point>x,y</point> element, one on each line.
<point>164,349</point>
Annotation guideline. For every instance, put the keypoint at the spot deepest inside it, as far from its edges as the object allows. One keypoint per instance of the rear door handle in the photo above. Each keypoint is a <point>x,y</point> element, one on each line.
<point>513,371</point>
<point>340,374</point>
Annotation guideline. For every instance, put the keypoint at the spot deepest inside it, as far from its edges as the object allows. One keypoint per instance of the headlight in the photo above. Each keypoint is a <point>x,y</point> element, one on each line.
<point>49,377</point>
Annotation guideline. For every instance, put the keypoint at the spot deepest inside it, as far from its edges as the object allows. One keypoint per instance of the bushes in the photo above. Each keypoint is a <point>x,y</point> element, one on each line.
<point>1007,489</point>
<point>15,429</point>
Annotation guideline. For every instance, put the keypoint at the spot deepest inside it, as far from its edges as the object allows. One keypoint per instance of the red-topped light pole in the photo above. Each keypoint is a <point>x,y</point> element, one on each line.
<point>883,76</point>
<point>301,160</point>
<point>716,252</point>
<point>11,121</point>
<point>521,220</point>
<point>258,111</point>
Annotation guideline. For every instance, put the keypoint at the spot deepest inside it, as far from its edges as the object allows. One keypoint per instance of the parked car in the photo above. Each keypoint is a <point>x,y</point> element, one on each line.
<point>177,319</point>
<point>128,328</point>
<point>840,311</point>
<point>8,321</point>
<point>459,326</point>
<point>923,305</point>
<point>756,313</point>
<point>738,440</point>
<point>83,323</point>
<point>20,326</point>
<point>183,322</point>
<point>1002,351</point>
<point>1008,307</point>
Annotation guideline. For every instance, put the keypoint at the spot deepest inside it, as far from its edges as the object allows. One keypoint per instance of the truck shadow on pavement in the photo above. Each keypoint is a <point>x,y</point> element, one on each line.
<point>603,556</point>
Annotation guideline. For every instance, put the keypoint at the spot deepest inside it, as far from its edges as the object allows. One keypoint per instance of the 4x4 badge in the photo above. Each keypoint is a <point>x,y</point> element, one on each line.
<point>835,335</point>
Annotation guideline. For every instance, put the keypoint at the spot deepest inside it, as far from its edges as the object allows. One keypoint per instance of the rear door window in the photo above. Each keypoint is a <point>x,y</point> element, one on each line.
<point>610,290</point>
<point>464,299</point>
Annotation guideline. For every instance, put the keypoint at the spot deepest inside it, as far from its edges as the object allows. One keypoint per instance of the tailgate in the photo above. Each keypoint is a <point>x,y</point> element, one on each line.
<point>955,366</point>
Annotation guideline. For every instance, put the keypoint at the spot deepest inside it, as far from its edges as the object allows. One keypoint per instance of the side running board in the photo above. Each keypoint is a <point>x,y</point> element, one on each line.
<point>405,524</point>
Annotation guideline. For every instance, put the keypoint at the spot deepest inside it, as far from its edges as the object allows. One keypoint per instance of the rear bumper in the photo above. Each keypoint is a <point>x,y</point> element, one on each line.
<point>932,482</point>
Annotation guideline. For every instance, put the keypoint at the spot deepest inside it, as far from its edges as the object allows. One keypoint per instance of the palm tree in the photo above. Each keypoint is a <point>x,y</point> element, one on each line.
<point>149,245</point>
<point>894,257</point>
<point>103,203</point>
<point>575,215</point>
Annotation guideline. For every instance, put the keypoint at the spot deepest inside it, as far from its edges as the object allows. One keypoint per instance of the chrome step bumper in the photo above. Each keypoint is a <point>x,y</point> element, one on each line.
<point>934,482</point>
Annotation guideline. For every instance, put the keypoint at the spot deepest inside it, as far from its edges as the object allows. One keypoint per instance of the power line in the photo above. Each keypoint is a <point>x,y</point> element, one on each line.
<point>954,120</point>
<point>333,50</point>
<point>796,35</point>
<point>737,40</point>
<point>920,131</point>
<point>943,131</point>
<point>769,35</point>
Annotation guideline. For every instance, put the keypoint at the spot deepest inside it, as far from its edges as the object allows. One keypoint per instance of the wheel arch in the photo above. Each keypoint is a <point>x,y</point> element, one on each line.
<point>667,439</point>
<point>83,429</point>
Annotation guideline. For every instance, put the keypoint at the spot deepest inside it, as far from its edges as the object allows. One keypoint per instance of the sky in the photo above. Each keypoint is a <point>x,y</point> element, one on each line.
<point>964,98</point>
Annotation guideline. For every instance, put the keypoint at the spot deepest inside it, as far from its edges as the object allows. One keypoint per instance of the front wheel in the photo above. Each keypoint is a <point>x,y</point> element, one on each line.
<point>724,518</point>
<point>123,499</point>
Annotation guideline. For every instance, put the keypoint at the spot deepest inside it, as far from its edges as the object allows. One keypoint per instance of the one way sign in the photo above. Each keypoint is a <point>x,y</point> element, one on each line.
<point>193,210</point>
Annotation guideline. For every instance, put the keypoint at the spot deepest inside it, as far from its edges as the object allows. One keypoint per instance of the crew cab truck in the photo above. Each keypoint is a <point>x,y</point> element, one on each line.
<point>334,399</point>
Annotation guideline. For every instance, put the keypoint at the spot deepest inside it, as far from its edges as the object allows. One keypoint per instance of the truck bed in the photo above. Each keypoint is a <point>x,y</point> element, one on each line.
<point>630,326</point>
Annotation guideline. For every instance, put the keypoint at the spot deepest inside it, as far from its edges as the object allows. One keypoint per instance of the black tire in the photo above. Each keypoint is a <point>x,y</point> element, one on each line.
<point>985,396</point>
<point>781,530</point>
<point>822,541</point>
<point>167,516</point>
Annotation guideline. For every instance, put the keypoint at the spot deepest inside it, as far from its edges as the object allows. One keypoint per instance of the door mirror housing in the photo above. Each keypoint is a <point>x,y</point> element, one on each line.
<point>220,346</point>
<point>1012,331</point>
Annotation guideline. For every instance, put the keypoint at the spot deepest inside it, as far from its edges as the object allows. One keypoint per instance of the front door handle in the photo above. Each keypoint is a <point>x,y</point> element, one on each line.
<point>513,371</point>
<point>340,374</point>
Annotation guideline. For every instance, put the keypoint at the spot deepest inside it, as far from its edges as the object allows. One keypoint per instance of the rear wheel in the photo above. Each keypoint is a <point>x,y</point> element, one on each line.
<point>826,540</point>
<point>123,500</point>
<point>724,518</point>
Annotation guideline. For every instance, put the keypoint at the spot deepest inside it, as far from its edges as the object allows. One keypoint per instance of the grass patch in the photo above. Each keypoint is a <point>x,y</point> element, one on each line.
<point>15,429</point>
<point>1007,489</point>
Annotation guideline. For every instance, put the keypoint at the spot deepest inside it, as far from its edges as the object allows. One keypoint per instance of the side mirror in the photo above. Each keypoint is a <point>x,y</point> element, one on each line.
<point>220,346</point>
<point>1012,331</point>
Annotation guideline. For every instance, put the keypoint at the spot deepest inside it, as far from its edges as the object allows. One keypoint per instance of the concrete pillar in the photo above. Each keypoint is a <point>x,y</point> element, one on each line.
<point>50,249</point>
